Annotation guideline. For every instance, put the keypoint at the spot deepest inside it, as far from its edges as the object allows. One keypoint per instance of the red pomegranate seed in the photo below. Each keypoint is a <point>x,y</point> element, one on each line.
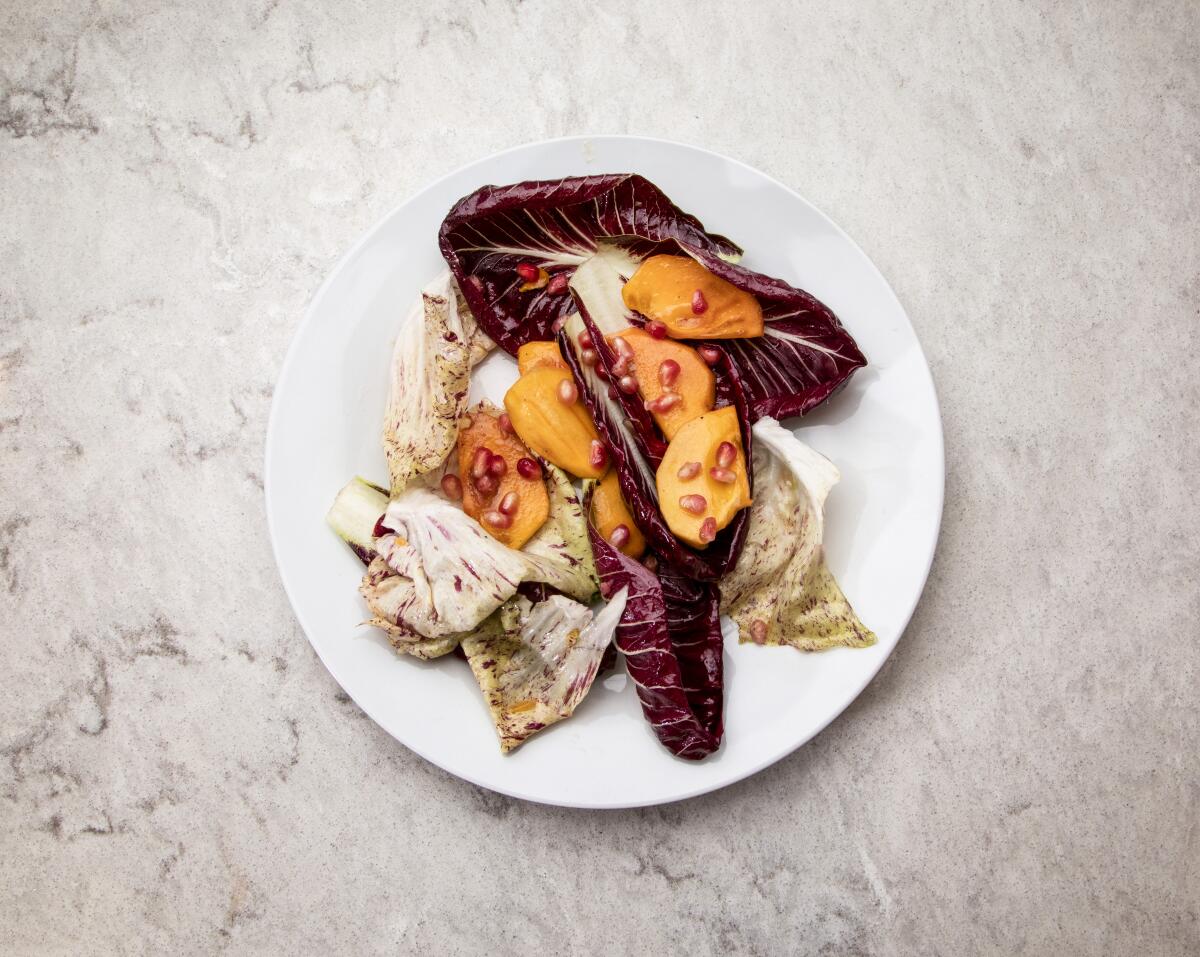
<point>585,340</point>
<point>612,391</point>
<point>597,454</point>
<point>483,458</point>
<point>497,519</point>
<point>758,631</point>
<point>558,323</point>
<point>588,357</point>
<point>527,468</point>
<point>725,476</point>
<point>508,504</point>
<point>627,384</point>
<point>568,392</point>
<point>668,372</point>
<point>699,303</point>
<point>622,366</point>
<point>527,271</point>
<point>620,536</point>
<point>452,487</point>
<point>726,454</point>
<point>656,329</point>
<point>505,423</point>
<point>708,529</point>
<point>486,485</point>
<point>689,470</point>
<point>557,284</point>
<point>696,504</point>
<point>710,354</point>
<point>601,374</point>
<point>622,347</point>
<point>664,403</point>
<point>497,466</point>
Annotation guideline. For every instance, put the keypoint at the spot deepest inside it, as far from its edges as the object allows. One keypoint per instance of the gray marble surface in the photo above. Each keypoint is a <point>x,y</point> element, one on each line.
<point>178,771</point>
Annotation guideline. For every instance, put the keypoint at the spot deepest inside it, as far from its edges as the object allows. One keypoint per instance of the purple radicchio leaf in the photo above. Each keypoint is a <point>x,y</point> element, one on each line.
<point>554,225</point>
<point>644,640</point>
<point>802,358</point>
<point>694,623</point>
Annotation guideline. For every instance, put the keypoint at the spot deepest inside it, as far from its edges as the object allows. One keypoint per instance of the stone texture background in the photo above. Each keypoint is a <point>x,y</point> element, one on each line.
<point>178,773</point>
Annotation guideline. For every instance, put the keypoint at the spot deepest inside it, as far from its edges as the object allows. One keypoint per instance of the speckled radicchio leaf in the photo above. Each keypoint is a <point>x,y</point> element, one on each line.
<point>635,467</point>
<point>657,671</point>
<point>803,357</point>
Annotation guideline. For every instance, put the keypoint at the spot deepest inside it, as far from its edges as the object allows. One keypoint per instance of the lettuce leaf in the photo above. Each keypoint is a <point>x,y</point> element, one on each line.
<point>431,371</point>
<point>562,541</point>
<point>781,579</point>
<point>534,663</point>
<point>804,356</point>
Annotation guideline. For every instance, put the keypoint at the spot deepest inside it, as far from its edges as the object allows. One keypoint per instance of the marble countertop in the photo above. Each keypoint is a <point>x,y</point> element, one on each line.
<point>178,771</point>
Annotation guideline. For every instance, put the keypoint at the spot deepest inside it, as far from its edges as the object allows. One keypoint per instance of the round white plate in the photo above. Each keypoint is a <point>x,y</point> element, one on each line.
<point>883,431</point>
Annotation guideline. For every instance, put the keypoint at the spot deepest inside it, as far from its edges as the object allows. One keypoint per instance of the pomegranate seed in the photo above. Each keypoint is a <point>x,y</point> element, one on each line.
<point>620,536</point>
<point>758,631</point>
<point>612,391</point>
<point>622,366</point>
<point>597,454</point>
<point>497,466</point>
<point>497,519</point>
<point>585,340</point>
<point>568,392</point>
<point>650,562</point>
<point>710,354</point>
<point>708,529</point>
<point>483,458</point>
<point>601,374</point>
<point>627,384</point>
<point>664,403</point>
<point>508,504</point>
<point>527,271</point>
<point>725,476</point>
<point>452,487</point>
<point>486,485</point>
<point>588,357</point>
<point>699,303</point>
<point>696,504</point>
<point>689,470</point>
<point>557,284</point>
<point>505,423</point>
<point>668,372</point>
<point>527,468</point>
<point>558,323</point>
<point>656,329</point>
<point>623,348</point>
<point>726,454</point>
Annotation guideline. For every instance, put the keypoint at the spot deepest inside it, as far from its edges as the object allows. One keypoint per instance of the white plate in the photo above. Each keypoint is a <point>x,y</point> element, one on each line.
<point>883,431</point>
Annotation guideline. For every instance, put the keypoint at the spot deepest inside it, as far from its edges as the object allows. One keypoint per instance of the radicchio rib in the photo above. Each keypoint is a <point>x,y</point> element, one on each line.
<point>802,358</point>
<point>645,642</point>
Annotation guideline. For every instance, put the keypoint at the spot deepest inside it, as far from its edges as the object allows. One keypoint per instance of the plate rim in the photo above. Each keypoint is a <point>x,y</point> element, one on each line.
<point>309,317</point>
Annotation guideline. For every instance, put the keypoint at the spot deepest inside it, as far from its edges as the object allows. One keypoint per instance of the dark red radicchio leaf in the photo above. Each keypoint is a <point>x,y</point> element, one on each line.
<point>804,356</point>
<point>553,225</point>
<point>694,623</point>
<point>636,472</point>
<point>644,641</point>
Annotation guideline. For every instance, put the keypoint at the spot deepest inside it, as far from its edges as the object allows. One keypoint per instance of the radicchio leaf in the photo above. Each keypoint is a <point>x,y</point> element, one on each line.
<point>644,640</point>
<point>803,356</point>
<point>694,623</point>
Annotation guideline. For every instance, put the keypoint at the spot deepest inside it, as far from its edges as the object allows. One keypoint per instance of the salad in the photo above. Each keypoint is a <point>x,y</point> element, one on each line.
<point>636,484</point>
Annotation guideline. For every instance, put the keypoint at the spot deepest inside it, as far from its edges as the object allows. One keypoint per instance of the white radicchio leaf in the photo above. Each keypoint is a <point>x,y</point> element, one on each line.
<point>781,580</point>
<point>431,371</point>
<point>448,573</point>
<point>534,664</point>
<point>563,539</point>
